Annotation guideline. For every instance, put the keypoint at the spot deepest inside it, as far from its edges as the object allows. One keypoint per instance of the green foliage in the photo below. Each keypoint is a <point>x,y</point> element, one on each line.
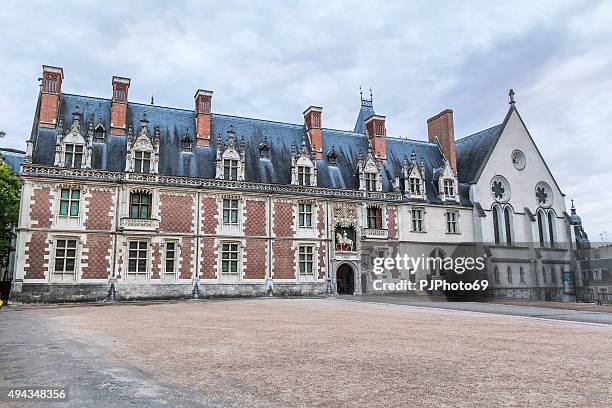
<point>10,190</point>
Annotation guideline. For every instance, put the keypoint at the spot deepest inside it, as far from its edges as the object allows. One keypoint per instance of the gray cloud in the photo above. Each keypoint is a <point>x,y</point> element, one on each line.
<point>272,60</point>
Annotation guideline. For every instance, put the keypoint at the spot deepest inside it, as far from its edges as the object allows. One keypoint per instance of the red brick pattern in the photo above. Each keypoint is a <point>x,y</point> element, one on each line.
<point>118,118</point>
<point>256,218</point>
<point>393,249</point>
<point>321,220</point>
<point>321,261</point>
<point>97,262</point>
<point>208,262</point>
<point>186,256</point>
<point>40,208</point>
<point>284,260</point>
<point>283,219</point>
<point>392,222</point>
<point>35,253</point>
<point>99,208</point>
<point>176,213</point>
<point>209,214</point>
<point>49,104</point>
<point>156,261</point>
<point>255,265</point>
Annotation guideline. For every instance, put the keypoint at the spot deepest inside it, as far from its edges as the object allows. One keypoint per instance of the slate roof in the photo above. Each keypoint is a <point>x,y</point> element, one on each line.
<point>200,162</point>
<point>13,158</point>
<point>473,152</point>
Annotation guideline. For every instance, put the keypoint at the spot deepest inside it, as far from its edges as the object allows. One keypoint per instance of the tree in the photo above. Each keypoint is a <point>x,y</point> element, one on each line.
<point>10,190</point>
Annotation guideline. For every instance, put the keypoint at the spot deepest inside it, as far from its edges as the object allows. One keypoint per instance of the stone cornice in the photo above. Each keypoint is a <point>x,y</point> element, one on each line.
<point>103,176</point>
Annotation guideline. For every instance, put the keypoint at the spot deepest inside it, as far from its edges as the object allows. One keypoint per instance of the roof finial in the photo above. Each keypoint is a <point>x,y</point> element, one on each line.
<point>361,93</point>
<point>152,100</point>
<point>371,99</point>
<point>573,204</point>
<point>511,95</point>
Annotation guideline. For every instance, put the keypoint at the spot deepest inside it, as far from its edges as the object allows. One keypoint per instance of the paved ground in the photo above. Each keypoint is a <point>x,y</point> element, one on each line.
<point>576,312</point>
<point>304,352</point>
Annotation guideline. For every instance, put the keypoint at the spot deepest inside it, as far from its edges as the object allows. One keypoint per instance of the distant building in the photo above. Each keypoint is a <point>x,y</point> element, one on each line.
<point>141,201</point>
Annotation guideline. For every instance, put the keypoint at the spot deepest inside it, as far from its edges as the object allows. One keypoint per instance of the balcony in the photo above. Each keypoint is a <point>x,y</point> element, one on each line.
<point>375,233</point>
<point>137,224</point>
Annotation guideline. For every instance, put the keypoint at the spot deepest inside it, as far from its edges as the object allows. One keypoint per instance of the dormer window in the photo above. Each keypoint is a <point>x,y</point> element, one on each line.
<point>187,143</point>
<point>371,181</point>
<point>230,157</point>
<point>143,151</point>
<point>230,169</point>
<point>449,188</point>
<point>415,186</point>
<point>73,155</point>
<point>99,134</point>
<point>142,162</point>
<point>304,175</point>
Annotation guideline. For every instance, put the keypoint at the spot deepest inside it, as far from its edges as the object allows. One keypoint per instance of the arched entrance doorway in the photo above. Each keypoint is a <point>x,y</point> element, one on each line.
<point>345,280</point>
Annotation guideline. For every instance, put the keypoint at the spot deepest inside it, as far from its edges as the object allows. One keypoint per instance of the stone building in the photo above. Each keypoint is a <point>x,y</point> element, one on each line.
<point>134,200</point>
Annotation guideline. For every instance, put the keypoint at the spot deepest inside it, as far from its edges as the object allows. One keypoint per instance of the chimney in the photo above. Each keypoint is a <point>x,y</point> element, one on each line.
<point>377,133</point>
<point>442,129</point>
<point>203,104</point>
<point>50,92</point>
<point>312,121</point>
<point>119,105</point>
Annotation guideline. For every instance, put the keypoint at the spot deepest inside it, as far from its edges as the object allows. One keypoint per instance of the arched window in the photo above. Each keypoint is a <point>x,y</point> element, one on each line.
<point>436,262</point>
<point>553,275</point>
<point>99,133</point>
<point>541,227</point>
<point>509,274</point>
<point>508,224</point>
<point>522,274</point>
<point>544,275</point>
<point>496,229</point>
<point>496,274</point>
<point>551,228</point>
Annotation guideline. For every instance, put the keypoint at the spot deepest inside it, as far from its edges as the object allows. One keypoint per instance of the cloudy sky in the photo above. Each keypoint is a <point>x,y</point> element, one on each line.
<point>272,60</point>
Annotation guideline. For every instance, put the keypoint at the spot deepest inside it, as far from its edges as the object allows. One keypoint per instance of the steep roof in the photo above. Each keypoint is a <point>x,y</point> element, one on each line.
<point>473,152</point>
<point>200,161</point>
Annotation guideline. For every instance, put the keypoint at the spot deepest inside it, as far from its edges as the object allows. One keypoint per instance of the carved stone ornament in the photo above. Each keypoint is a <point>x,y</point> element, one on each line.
<point>345,215</point>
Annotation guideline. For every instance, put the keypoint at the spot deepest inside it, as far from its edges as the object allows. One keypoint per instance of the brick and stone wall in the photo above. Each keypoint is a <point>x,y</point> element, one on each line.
<point>96,256</point>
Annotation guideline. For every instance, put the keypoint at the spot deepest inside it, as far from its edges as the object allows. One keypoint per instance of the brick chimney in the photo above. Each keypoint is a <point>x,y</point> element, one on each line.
<point>312,121</point>
<point>377,133</point>
<point>119,105</point>
<point>203,105</point>
<point>50,92</point>
<point>441,128</point>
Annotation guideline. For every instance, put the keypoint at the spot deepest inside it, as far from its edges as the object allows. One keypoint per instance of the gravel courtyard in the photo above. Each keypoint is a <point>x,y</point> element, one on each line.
<point>332,352</point>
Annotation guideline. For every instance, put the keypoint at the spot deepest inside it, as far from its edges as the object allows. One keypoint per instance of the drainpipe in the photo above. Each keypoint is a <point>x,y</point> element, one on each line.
<point>196,272</point>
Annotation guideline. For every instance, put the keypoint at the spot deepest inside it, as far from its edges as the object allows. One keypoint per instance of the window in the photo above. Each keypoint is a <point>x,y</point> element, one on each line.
<point>522,274</point>
<point>415,186</point>
<point>541,227</point>
<point>305,215</point>
<point>306,256</point>
<point>230,169</point>
<point>551,228</point>
<point>69,202</point>
<point>370,181</point>
<point>496,229</point>
<point>99,134</point>
<point>229,258</point>
<point>496,274</point>
<point>140,205</point>
<point>374,217</point>
<point>73,156</point>
<point>544,275</point>
<point>138,256</point>
<point>417,219</point>
<point>449,188</point>
<point>187,143</point>
<point>142,162</point>
<point>304,175</point>
<point>507,222</point>
<point>230,211</point>
<point>452,222</point>
<point>553,275</point>
<point>509,273</point>
<point>65,260</point>
<point>170,260</point>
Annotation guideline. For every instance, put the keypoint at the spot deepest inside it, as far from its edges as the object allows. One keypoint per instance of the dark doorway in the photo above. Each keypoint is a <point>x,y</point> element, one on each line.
<point>364,283</point>
<point>345,280</point>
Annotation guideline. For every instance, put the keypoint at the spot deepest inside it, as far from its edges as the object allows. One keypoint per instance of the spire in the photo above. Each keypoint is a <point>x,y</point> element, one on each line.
<point>152,100</point>
<point>366,110</point>
<point>511,96</point>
